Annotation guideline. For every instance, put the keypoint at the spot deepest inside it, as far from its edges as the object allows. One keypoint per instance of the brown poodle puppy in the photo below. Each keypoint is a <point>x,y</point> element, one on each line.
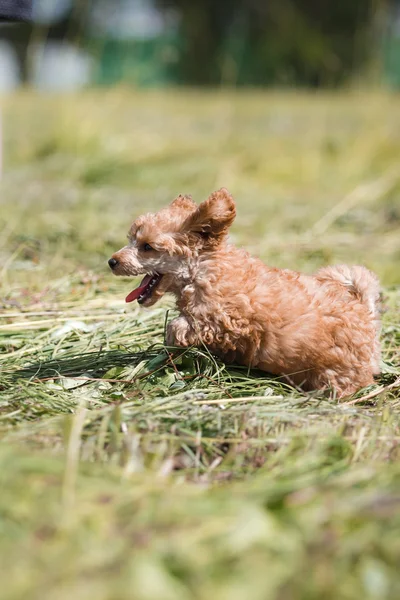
<point>319,331</point>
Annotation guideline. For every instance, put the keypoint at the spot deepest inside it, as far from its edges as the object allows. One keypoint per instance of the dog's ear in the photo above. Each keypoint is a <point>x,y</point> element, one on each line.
<point>183,203</point>
<point>214,216</point>
<point>179,210</point>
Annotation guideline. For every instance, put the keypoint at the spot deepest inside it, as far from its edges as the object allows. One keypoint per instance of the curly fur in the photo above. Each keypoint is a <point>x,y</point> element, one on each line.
<point>319,331</point>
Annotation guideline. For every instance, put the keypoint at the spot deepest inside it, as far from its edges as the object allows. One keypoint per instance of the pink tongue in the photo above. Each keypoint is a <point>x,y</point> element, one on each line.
<point>134,295</point>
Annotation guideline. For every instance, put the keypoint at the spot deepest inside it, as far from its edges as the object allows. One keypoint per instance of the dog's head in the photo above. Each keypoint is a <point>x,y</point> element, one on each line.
<point>164,246</point>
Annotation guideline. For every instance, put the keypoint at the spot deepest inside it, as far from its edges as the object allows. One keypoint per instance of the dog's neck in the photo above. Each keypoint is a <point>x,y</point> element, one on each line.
<point>206,275</point>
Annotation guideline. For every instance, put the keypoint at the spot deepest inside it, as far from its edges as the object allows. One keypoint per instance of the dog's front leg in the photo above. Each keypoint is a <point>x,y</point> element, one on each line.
<point>181,333</point>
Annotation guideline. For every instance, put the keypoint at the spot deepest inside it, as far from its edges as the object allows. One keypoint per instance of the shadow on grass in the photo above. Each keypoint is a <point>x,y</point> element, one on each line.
<point>188,367</point>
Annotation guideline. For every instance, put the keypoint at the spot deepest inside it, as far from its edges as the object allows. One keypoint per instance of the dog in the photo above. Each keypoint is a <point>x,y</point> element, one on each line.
<point>320,332</point>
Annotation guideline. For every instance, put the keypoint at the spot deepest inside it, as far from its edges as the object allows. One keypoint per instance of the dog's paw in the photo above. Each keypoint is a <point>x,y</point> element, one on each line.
<point>180,333</point>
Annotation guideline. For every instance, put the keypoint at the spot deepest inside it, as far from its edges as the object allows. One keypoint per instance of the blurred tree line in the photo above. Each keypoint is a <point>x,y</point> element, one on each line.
<point>261,42</point>
<point>237,42</point>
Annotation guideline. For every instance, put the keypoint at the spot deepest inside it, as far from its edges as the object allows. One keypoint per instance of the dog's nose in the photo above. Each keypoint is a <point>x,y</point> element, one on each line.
<point>112,262</point>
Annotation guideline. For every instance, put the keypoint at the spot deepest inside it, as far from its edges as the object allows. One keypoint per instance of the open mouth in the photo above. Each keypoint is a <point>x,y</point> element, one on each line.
<point>145,289</point>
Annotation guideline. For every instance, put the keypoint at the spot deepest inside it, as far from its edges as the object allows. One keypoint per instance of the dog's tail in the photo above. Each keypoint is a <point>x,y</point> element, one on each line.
<point>366,286</point>
<point>363,285</point>
<point>359,281</point>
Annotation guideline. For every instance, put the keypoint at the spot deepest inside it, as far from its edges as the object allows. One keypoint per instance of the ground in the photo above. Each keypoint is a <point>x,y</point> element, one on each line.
<point>127,472</point>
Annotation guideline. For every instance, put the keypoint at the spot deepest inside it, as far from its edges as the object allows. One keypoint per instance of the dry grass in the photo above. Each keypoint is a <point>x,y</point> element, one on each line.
<point>128,471</point>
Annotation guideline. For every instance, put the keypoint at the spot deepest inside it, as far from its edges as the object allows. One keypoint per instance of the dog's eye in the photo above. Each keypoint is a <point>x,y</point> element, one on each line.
<point>147,247</point>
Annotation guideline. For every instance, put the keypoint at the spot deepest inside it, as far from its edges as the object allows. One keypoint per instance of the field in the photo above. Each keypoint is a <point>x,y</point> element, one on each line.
<point>131,473</point>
